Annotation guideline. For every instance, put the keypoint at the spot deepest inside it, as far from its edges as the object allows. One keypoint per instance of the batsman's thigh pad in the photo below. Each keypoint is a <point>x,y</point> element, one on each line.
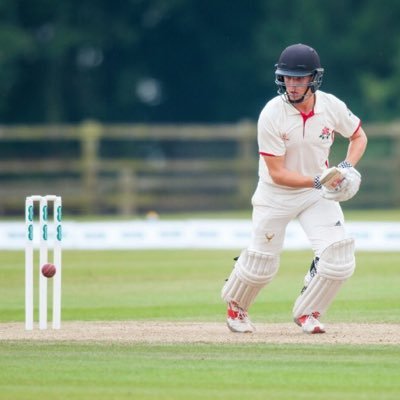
<point>335,266</point>
<point>252,271</point>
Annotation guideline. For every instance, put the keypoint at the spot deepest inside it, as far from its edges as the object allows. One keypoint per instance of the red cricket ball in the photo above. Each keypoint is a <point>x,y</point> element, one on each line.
<point>48,270</point>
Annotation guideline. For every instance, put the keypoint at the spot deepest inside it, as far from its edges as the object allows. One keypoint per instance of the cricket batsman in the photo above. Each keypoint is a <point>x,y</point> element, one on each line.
<point>296,130</point>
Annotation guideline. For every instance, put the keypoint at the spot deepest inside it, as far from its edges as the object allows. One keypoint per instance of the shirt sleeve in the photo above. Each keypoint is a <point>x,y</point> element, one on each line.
<point>347,123</point>
<point>270,142</point>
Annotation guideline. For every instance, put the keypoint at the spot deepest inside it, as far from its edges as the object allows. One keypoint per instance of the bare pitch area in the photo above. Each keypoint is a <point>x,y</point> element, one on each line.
<point>159,332</point>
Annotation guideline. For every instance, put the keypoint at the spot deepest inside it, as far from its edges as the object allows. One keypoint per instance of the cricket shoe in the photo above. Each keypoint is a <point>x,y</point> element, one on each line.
<point>238,319</point>
<point>310,323</point>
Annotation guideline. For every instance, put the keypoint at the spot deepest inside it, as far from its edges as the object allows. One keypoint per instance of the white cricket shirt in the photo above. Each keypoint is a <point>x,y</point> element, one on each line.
<point>305,141</point>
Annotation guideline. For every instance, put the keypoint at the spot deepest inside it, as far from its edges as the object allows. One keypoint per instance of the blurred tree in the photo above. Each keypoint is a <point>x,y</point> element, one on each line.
<point>187,60</point>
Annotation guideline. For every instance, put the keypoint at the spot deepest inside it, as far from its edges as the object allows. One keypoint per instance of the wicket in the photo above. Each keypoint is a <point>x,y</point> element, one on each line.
<point>43,259</point>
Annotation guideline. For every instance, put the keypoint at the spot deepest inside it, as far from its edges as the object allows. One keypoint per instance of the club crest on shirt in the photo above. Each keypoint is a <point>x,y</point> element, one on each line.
<point>325,133</point>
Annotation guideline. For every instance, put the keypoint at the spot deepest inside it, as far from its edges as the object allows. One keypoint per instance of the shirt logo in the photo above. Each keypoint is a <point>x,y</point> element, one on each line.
<point>325,134</point>
<point>285,137</point>
<point>269,236</point>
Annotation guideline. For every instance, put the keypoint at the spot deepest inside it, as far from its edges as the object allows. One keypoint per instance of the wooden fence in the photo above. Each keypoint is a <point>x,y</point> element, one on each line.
<point>132,169</point>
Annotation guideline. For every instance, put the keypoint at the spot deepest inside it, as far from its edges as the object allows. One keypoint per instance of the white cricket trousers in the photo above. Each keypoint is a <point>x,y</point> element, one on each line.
<point>274,207</point>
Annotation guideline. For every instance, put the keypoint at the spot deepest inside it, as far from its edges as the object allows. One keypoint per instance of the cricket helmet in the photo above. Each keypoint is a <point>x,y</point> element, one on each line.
<point>299,60</point>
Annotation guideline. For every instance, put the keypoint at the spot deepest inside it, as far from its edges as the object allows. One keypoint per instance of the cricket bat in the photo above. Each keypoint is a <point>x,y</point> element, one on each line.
<point>332,178</point>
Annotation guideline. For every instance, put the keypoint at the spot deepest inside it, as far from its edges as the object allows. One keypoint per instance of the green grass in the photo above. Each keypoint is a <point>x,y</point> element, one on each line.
<point>388,215</point>
<point>185,285</point>
<point>171,372</point>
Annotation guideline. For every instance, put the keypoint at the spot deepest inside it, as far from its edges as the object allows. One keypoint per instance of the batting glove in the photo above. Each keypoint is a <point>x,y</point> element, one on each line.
<point>346,192</point>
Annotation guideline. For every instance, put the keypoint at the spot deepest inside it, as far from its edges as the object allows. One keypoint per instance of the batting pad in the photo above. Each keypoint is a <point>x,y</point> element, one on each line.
<point>335,266</point>
<point>253,270</point>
